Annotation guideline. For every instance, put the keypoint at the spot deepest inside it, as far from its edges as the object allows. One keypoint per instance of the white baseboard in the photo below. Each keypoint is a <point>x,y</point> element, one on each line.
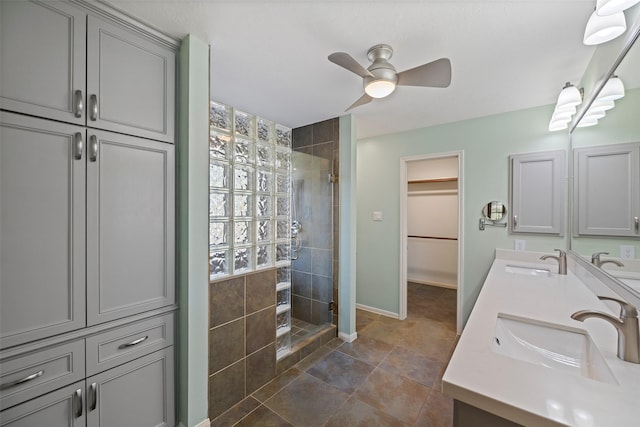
<point>204,423</point>
<point>433,283</point>
<point>348,338</point>
<point>377,311</point>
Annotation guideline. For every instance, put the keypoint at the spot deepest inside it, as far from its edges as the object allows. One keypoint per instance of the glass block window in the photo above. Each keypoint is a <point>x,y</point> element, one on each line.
<point>249,192</point>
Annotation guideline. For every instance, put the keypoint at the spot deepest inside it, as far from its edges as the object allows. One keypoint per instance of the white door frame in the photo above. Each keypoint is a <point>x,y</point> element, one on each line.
<point>402,310</point>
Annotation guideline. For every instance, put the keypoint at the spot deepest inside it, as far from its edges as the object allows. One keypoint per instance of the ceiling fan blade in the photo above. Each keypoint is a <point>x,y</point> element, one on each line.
<point>346,61</point>
<point>432,74</point>
<point>364,99</point>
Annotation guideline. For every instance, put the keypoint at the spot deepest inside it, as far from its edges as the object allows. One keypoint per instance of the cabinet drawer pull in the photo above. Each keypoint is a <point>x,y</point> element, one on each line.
<point>23,380</point>
<point>93,390</point>
<point>134,342</point>
<point>636,224</point>
<point>94,107</point>
<point>93,148</point>
<point>515,221</point>
<point>77,397</point>
<point>78,146</point>
<point>79,103</point>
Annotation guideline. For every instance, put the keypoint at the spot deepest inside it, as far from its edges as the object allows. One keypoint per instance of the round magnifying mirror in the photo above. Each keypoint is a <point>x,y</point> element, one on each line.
<point>495,211</point>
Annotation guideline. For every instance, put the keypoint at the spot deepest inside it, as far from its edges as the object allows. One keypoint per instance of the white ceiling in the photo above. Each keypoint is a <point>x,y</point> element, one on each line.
<point>270,57</point>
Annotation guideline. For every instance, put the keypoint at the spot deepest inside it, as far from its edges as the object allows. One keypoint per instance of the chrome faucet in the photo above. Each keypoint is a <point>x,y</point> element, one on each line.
<point>561,258</point>
<point>626,325</point>
<point>595,260</point>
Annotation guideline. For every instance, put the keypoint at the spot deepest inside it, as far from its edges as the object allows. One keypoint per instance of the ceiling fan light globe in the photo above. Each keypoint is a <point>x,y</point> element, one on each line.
<point>609,7</point>
<point>379,88</point>
<point>601,29</point>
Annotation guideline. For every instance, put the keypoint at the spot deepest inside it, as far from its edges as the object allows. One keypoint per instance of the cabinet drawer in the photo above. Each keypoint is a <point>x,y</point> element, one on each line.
<point>117,346</point>
<point>27,376</point>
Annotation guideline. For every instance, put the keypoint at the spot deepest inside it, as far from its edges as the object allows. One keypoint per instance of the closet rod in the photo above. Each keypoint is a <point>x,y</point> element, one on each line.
<point>433,237</point>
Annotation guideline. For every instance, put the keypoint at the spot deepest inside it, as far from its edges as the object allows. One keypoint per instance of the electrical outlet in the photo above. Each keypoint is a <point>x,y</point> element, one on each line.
<point>627,252</point>
<point>377,216</point>
<point>520,245</point>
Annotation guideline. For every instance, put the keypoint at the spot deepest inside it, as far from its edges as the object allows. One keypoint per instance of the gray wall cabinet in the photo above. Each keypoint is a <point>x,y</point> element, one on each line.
<point>607,190</point>
<point>537,192</point>
<point>71,66</point>
<point>87,172</point>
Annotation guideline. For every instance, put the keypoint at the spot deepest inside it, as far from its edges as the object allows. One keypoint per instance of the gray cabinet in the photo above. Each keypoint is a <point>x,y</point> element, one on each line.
<point>139,393</point>
<point>537,192</point>
<point>130,226</point>
<point>42,228</point>
<point>130,82</point>
<point>42,59</point>
<point>607,190</point>
<point>61,408</point>
<point>60,62</point>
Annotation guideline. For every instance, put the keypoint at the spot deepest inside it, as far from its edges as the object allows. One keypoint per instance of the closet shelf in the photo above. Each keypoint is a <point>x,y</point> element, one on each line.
<point>433,237</point>
<point>424,181</point>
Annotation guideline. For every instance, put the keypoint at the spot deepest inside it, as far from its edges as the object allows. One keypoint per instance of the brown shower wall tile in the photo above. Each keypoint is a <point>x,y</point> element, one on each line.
<point>260,290</point>
<point>226,345</point>
<point>242,351</point>
<point>226,388</point>
<point>226,301</point>
<point>261,367</point>
<point>261,329</point>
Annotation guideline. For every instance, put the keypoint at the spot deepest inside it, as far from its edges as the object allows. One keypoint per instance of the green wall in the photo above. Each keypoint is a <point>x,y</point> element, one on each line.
<point>486,144</point>
<point>192,213</point>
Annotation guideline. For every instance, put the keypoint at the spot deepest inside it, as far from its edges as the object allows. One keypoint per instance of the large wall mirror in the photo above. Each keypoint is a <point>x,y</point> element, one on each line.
<point>620,127</point>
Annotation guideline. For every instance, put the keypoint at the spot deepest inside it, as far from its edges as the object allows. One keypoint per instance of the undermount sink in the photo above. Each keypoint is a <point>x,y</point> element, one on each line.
<point>527,271</point>
<point>632,282</point>
<point>555,346</point>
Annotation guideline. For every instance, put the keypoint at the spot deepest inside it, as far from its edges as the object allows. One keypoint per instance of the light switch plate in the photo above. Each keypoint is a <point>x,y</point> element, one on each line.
<point>627,252</point>
<point>520,245</point>
<point>377,216</point>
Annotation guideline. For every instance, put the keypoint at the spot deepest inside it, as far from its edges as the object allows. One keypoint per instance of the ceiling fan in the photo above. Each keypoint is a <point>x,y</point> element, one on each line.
<point>380,78</point>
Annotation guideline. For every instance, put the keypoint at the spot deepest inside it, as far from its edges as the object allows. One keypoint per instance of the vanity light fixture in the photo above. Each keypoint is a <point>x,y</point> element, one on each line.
<point>569,98</point>
<point>612,90</point>
<point>601,29</point>
<point>609,7</point>
<point>601,105</point>
<point>587,121</point>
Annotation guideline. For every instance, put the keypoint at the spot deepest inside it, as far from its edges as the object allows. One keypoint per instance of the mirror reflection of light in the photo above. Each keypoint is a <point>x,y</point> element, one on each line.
<point>583,418</point>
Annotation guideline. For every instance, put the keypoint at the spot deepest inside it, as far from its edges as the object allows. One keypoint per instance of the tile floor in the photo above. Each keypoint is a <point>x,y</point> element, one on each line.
<point>389,376</point>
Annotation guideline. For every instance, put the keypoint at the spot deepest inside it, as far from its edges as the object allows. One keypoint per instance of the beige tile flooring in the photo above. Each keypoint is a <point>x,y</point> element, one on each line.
<point>389,376</point>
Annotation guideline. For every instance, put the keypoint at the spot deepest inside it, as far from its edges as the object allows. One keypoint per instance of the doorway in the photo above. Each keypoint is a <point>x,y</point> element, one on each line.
<point>431,219</point>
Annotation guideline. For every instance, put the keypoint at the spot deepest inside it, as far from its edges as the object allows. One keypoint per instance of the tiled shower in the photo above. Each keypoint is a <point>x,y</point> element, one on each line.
<point>249,311</point>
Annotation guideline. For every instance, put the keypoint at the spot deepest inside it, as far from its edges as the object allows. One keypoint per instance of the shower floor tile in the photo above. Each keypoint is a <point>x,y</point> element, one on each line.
<point>390,376</point>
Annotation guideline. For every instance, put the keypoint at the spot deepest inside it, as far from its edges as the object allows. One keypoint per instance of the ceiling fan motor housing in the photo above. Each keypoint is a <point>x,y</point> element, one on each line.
<point>379,55</point>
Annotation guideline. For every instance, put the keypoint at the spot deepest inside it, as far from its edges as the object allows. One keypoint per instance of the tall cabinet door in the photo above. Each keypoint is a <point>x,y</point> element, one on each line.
<point>130,225</point>
<point>607,190</point>
<point>42,59</point>
<point>42,228</point>
<point>130,82</point>
<point>138,393</point>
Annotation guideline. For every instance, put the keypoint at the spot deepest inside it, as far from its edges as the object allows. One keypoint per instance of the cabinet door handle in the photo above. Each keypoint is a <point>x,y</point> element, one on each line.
<point>636,224</point>
<point>515,221</point>
<point>134,342</point>
<point>93,393</point>
<point>78,146</point>
<point>93,148</point>
<point>79,103</point>
<point>22,380</point>
<point>78,402</point>
<point>94,107</point>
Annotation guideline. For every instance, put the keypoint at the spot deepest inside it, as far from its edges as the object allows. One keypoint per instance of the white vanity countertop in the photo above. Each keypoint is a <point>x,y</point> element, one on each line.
<point>535,395</point>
